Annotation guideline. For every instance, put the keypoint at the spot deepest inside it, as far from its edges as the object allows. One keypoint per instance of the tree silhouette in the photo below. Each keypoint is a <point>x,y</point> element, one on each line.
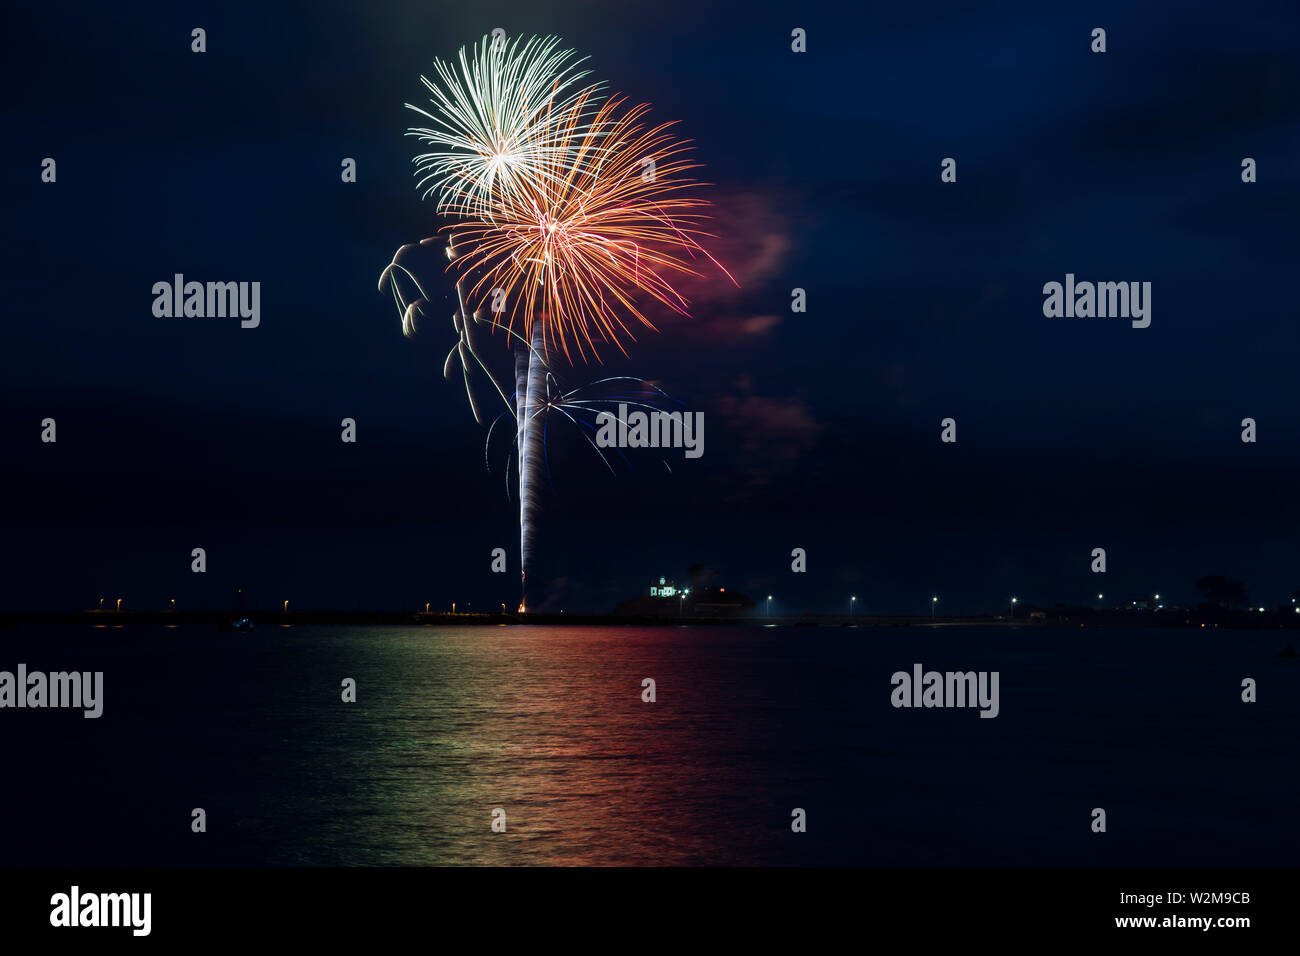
<point>700,576</point>
<point>1222,591</point>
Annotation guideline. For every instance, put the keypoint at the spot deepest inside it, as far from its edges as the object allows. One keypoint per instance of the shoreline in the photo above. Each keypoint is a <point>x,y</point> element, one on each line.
<point>223,620</point>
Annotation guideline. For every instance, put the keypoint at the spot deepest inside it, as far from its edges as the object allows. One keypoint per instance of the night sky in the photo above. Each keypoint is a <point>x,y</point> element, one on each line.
<point>822,428</point>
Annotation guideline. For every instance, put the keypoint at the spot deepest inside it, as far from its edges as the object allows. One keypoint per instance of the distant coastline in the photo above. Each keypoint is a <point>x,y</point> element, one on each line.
<point>222,620</point>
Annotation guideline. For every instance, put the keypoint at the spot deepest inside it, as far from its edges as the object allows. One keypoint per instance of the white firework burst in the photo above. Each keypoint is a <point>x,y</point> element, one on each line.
<point>496,119</point>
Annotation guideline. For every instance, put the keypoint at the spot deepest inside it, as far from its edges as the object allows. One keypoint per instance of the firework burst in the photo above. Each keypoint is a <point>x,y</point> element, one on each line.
<point>494,120</point>
<point>608,223</point>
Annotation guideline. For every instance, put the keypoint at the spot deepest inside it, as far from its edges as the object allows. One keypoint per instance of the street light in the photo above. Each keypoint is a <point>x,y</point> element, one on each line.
<point>426,606</point>
<point>286,607</point>
<point>119,604</point>
<point>933,602</point>
<point>1014,602</point>
<point>769,605</point>
<point>173,604</point>
<point>851,600</point>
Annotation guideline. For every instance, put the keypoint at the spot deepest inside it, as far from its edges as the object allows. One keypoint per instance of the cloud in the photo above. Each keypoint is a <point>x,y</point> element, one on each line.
<point>772,434</point>
<point>759,324</point>
<point>751,241</point>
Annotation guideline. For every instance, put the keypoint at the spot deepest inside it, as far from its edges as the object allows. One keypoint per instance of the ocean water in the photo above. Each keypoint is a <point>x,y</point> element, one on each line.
<point>548,724</point>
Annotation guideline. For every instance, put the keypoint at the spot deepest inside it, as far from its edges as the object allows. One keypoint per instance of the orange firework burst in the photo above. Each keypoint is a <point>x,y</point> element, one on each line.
<point>608,223</point>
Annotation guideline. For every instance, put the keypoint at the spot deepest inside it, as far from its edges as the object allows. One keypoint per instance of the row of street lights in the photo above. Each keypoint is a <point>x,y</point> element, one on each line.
<point>172,602</point>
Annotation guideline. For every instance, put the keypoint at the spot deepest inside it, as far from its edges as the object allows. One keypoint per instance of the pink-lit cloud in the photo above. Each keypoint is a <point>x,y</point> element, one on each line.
<point>751,241</point>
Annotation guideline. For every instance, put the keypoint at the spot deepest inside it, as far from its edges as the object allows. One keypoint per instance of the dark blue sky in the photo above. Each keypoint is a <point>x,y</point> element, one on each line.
<point>924,301</point>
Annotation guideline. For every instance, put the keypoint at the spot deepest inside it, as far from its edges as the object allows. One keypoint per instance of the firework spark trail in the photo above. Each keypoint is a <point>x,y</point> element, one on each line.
<point>521,394</point>
<point>586,401</point>
<point>464,349</point>
<point>530,461</point>
<point>527,502</point>
<point>582,407</point>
